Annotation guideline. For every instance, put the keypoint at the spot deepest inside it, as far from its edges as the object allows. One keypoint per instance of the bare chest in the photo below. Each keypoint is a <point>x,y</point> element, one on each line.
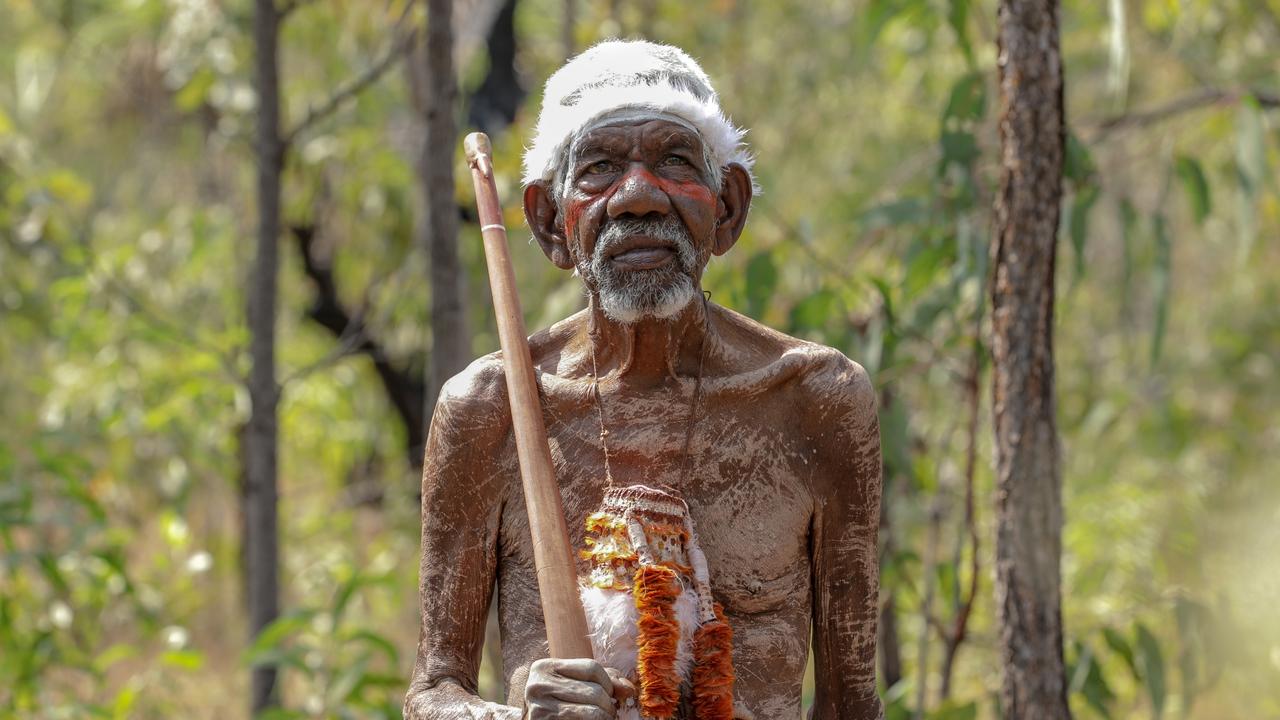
<point>747,476</point>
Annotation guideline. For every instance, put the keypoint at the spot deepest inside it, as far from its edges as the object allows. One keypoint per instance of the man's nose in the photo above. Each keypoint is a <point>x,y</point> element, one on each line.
<point>638,195</point>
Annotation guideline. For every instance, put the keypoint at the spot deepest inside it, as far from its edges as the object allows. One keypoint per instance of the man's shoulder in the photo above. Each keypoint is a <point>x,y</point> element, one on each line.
<point>477,396</point>
<point>821,373</point>
<point>479,392</point>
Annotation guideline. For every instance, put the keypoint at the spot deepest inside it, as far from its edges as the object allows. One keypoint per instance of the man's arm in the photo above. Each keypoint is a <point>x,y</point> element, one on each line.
<point>462,492</point>
<point>846,521</point>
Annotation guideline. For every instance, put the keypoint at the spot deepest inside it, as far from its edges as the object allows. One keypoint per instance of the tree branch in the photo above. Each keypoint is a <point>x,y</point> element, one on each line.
<point>172,332</point>
<point>404,390</point>
<point>1205,97</point>
<point>352,87</point>
<point>960,624</point>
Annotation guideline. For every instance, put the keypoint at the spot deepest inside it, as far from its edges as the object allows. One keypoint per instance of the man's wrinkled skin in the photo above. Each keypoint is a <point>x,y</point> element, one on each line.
<point>784,486</point>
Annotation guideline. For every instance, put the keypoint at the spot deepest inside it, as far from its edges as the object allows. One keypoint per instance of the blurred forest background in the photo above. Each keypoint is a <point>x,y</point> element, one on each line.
<point>128,211</point>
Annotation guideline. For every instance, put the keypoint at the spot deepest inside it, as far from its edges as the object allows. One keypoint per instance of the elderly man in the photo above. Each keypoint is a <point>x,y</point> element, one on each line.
<point>767,445</point>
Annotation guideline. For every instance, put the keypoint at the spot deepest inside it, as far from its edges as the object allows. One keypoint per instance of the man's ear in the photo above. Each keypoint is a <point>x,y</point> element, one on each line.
<point>543,216</point>
<point>734,201</point>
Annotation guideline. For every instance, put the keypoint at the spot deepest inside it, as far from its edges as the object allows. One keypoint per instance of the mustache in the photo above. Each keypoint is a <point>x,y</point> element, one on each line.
<point>666,227</point>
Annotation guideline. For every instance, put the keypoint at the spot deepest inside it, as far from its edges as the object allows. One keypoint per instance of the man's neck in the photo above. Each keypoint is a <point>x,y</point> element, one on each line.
<point>649,351</point>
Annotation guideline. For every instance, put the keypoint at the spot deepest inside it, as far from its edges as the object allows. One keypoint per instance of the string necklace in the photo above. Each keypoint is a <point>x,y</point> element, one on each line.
<point>694,400</point>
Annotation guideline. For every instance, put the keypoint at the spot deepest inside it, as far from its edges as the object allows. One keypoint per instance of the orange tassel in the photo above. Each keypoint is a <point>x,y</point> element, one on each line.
<point>713,669</point>
<point>656,590</point>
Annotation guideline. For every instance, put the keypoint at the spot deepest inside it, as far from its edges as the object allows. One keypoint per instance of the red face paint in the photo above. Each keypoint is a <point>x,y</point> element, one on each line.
<point>586,207</point>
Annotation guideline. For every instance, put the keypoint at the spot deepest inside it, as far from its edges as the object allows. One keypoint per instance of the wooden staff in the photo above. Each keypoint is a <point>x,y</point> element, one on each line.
<point>552,555</point>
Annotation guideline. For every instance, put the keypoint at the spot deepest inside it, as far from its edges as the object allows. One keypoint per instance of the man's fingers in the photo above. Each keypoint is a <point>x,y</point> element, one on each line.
<point>623,689</point>
<point>584,669</point>
<point>552,709</point>
<point>585,694</point>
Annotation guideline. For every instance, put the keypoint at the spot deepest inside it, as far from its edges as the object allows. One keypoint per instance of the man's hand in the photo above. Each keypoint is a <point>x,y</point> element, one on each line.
<point>581,689</point>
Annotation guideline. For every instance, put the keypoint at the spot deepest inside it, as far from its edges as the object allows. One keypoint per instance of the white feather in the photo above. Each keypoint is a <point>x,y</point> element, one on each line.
<point>611,624</point>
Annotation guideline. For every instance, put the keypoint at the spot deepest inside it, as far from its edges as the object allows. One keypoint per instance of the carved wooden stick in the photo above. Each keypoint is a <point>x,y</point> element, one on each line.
<point>552,554</point>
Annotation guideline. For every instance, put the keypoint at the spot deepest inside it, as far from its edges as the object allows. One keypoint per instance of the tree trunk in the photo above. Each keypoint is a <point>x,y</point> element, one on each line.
<point>1028,464</point>
<point>260,540</point>
<point>569,24</point>
<point>887,639</point>
<point>450,339</point>
<point>494,104</point>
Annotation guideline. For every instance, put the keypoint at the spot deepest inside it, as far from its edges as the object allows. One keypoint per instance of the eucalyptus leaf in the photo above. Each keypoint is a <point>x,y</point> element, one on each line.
<point>1150,662</point>
<point>761,281</point>
<point>1195,185</point>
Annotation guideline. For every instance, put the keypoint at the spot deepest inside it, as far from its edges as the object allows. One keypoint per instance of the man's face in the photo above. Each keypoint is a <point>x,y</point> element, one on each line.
<point>639,214</point>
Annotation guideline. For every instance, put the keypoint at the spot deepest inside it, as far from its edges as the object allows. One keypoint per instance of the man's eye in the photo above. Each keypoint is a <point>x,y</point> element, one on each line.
<point>599,168</point>
<point>671,160</point>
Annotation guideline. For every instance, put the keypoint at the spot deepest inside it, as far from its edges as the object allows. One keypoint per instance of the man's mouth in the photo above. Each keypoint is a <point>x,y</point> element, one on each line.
<point>641,253</point>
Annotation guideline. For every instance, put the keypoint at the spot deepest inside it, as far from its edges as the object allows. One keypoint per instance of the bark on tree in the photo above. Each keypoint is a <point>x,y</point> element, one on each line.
<point>403,387</point>
<point>887,639</point>
<point>450,338</point>
<point>493,105</point>
<point>261,540</point>
<point>1028,464</point>
<point>569,24</point>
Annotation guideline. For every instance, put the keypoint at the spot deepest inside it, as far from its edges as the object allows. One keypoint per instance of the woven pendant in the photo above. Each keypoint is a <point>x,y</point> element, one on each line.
<point>649,608</point>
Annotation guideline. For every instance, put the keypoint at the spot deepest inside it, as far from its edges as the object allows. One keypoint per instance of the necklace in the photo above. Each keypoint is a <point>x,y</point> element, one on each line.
<point>647,595</point>
<point>694,400</point>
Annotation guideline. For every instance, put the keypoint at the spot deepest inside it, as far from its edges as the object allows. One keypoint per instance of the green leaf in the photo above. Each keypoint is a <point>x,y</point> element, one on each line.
<point>1195,185</point>
<point>959,147</point>
<point>274,634</point>
<point>1160,281</point>
<point>762,279</point>
<point>69,188</point>
<point>948,584</point>
<point>184,659</point>
<point>1087,680</point>
<point>1193,629</point>
<point>378,642</point>
<point>953,710</point>
<point>958,19</point>
<point>1121,647</point>
<point>968,98</point>
<point>1078,166</point>
<point>896,439</point>
<point>1251,149</point>
<point>879,14</point>
<point>112,655</point>
<point>1151,665</point>
<point>343,596</point>
<point>348,682</point>
<point>124,702</point>
<point>813,312</point>
<point>925,261</point>
<point>1082,203</point>
<point>895,702</point>
<point>193,94</point>
<point>1129,231</point>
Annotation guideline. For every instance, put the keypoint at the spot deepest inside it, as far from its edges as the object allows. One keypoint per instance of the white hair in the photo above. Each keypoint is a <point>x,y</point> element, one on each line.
<point>659,293</point>
<point>634,75</point>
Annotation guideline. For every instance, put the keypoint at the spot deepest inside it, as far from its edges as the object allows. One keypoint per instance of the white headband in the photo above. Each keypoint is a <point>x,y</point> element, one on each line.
<point>643,77</point>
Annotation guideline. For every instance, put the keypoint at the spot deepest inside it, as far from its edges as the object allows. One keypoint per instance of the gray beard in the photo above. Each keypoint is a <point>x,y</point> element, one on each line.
<point>628,296</point>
